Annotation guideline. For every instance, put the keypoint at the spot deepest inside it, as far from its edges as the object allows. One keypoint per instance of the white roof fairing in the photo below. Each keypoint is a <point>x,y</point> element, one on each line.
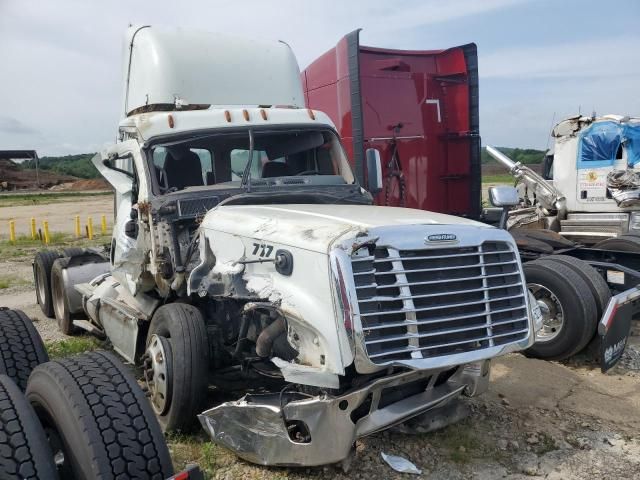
<point>162,64</point>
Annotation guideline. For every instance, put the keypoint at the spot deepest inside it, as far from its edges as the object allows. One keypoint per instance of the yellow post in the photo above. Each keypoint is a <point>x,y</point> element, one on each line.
<point>77,225</point>
<point>103,225</point>
<point>12,231</point>
<point>90,228</point>
<point>34,232</point>
<point>45,227</point>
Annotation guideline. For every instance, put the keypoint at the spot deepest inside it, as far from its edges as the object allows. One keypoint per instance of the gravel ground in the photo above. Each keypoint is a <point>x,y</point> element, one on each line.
<point>539,420</point>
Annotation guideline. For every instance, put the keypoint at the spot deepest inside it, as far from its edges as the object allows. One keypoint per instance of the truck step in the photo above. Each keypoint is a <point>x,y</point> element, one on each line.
<point>90,327</point>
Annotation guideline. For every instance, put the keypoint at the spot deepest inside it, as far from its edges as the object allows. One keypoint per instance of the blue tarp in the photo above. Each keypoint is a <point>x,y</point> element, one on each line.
<point>600,142</point>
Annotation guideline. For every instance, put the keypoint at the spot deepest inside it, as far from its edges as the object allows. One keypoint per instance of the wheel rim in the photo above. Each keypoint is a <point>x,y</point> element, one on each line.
<point>157,368</point>
<point>41,285</point>
<point>58,299</point>
<point>552,312</point>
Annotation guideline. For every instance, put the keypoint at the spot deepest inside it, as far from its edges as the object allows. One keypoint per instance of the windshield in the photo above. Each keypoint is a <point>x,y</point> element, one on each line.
<point>221,160</point>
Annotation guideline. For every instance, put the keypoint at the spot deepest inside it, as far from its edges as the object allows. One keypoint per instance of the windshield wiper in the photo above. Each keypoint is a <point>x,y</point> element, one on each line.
<point>246,175</point>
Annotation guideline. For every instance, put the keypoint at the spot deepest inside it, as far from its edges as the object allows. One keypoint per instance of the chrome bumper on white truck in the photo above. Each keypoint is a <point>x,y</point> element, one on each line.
<point>317,430</point>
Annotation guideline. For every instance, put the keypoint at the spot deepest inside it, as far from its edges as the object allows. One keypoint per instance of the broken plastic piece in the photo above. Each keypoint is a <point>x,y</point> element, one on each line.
<point>400,464</point>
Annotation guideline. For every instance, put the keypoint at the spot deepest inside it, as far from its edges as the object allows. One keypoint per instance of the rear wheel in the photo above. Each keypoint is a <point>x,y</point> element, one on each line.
<point>97,419</point>
<point>598,285</point>
<point>24,450</point>
<point>568,308</point>
<point>623,243</point>
<point>21,348</point>
<point>42,265</point>
<point>71,251</point>
<point>59,297</point>
<point>176,364</point>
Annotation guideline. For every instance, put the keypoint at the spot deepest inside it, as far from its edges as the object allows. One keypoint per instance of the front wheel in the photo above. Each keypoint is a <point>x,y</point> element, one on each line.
<point>176,365</point>
<point>568,309</point>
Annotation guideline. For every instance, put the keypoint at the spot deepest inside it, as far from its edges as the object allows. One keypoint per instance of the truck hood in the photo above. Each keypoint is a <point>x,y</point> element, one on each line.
<point>316,227</point>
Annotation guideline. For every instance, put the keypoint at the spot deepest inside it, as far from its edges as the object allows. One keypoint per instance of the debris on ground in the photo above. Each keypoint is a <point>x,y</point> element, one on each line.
<point>399,464</point>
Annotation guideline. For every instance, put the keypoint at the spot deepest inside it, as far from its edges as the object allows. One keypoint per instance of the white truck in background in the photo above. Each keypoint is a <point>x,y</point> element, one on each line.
<point>577,227</point>
<point>246,259</point>
<point>589,189</point>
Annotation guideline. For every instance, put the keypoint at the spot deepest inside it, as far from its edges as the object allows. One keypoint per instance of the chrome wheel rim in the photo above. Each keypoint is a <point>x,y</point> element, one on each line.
<point>552,312</point>
<point>41,285</point>
<point>156,365</point>
<point>57,295</point>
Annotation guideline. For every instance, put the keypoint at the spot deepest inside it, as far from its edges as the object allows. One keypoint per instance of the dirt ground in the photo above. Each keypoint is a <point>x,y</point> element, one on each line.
<point>60,215</point>
<point>539,420</point>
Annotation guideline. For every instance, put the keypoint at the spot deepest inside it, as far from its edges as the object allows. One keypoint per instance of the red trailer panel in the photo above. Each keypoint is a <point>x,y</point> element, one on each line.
<point>422,104</point>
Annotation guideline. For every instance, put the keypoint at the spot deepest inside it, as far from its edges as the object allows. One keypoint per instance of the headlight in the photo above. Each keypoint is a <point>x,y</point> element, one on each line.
<point>634,222</point>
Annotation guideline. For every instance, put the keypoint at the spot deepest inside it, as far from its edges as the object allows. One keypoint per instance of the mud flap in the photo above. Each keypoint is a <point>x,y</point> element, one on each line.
<point>615,326</point>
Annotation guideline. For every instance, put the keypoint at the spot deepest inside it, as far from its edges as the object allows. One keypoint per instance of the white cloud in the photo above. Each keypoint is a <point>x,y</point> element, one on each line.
<point>611,57</point>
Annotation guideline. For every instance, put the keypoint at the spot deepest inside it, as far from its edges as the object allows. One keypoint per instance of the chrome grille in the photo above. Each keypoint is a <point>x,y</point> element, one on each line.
<point>436,302</point>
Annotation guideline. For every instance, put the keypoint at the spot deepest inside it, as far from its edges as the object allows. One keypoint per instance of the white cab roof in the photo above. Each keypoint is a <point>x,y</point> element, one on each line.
<point>162,65</point>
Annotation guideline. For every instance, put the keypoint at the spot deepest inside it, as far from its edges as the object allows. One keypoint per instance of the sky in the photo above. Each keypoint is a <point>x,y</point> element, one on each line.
<point>539,60</point>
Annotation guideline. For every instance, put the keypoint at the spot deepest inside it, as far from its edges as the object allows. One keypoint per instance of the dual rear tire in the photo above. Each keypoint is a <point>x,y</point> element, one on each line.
<point>572,297</point>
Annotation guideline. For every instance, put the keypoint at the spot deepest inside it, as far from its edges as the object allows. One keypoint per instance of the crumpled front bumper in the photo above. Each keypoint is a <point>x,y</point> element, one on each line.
<point>259,430</point>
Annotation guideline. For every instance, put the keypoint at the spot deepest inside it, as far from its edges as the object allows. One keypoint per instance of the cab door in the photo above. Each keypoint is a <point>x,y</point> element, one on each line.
<point>130,245</point>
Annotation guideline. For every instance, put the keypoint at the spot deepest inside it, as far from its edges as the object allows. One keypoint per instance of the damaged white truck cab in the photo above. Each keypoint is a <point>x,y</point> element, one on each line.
<point>246,257</point>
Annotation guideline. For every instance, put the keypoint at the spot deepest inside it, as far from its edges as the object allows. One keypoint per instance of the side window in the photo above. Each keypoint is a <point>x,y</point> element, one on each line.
<point>599,145</point>
<point>184,172</point>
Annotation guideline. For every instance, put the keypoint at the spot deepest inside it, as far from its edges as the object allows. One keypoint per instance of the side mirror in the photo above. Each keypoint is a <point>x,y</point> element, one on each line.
<point>374,171</point>
<point>503,196</point>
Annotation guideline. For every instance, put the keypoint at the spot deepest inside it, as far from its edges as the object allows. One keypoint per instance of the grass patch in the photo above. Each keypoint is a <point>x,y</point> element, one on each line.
<point>189,449</point>
<point>498,179</point>
<point>546,444</point>
<point>71,346</point>
<point>464,441</point>
<point>12,281</point>
<point>22,199</point>
<point>26,246</point>
<point>459,440</point>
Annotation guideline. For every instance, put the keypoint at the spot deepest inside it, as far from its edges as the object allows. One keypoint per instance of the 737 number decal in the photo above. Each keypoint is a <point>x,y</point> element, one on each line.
<point>262,249</point>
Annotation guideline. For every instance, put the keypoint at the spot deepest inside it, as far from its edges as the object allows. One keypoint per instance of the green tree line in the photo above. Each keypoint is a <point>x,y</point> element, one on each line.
<point>522,155</point>
<point>76,165</point>
<point>80,165</point>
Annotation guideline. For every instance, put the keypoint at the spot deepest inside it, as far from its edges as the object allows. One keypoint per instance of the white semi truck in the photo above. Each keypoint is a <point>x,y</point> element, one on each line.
<point>246,259</point>
<point>589,190</point>
<point>582,214</point>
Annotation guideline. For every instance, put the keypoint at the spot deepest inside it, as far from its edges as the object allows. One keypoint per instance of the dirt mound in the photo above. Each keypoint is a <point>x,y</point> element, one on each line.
<point>12,177</point>
<point>89,184</point>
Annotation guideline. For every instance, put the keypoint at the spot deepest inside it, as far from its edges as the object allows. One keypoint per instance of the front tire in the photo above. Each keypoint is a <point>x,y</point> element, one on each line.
<point>176,365</point>
<point>98,422</point>
<point>568,306</point>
